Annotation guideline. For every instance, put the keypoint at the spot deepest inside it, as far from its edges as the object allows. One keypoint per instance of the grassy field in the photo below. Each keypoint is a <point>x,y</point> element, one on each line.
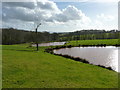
<point>26,68</point>
<point>0,67</point>
<point>95,42</point>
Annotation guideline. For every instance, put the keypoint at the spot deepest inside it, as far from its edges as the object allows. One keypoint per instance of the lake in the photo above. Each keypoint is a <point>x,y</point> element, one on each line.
<point>50,44</point>
<point>105,56</point>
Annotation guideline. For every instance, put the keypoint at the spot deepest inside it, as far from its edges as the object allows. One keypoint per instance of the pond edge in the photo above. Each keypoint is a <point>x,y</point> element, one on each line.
<point>50,50</point>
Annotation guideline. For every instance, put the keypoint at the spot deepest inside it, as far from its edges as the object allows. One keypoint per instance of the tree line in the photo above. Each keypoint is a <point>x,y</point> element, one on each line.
<point>15,36</point>
<point>91,35</point>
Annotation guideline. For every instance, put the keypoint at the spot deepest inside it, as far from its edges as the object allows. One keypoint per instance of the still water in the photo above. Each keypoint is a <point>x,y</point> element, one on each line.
<point>105,56</point>
<point>51,44</point>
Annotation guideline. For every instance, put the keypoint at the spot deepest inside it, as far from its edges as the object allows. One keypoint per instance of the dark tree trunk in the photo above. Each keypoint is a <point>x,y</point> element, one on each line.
<point>36,40</point>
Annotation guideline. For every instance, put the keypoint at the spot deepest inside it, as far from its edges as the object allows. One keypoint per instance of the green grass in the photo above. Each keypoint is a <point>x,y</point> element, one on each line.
<point>25,68</point>
<point>0,66</point>
<point>95,42</point>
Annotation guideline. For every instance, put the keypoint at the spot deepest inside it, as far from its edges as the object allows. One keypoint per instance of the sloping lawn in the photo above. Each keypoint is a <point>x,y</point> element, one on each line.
<point>25,68</point>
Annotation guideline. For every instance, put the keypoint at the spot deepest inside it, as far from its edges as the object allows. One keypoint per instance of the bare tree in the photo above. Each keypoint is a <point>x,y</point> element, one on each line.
<point>37,35</point>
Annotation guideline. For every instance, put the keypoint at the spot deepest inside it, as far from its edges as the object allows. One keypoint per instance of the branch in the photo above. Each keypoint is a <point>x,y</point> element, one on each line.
<point>38,25</point>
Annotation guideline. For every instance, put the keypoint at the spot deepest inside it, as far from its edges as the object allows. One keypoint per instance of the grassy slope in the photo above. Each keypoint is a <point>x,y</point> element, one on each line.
<point>0,67</point>
<point>25,68</point>
<point>95,42</point>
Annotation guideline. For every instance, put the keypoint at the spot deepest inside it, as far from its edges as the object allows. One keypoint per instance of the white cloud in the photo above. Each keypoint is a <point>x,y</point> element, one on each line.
<point>102,1</point>
<point>61,0</point>
<point>42,11</point>
<point>18,0</point>
<point>20,13</point>
<point>28,11</point>
<point>68,14</point>
<point>18,24</point>
<point>47,5</point>
<point>27,14</point>
<point>105,17</point>
<point>29,5</point>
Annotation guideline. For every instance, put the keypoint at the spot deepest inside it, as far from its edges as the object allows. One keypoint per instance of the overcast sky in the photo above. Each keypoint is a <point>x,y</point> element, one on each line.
<point>61,16</point>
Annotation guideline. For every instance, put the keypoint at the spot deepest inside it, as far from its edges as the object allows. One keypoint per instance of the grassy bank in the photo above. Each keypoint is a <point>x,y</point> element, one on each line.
<point>107,42</point>
<point>26,68</point>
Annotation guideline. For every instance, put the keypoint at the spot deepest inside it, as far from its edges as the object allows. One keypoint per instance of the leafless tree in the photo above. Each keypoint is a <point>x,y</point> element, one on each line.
<point>36,35</point>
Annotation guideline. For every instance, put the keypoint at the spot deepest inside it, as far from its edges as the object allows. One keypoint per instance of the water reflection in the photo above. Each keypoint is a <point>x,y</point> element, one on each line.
<point>106,56</point>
